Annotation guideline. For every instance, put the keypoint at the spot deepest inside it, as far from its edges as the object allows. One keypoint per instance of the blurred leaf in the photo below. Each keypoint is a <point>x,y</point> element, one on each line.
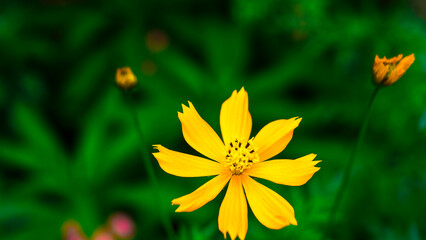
<point>41,150</point>
<point>414,232</point>
<point>205,232</point>
<point>183,69</point>
<point>84,29</point>
<point>69,147</point>
<point>25,220</point>
<point>226,50</point>
<point>3,94</point>
<point>422,121</point>
<point>15,155</point>
<point>89,149</point>
<point>145,198</point>
<point>85,77</point>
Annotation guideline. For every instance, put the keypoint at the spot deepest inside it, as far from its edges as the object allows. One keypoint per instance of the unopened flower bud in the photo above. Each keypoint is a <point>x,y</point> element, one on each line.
<point>125,78</point>
<point>387,71</point>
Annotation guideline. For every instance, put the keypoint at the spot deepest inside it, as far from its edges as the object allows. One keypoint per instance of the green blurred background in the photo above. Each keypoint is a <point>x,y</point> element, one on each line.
<point>69,148</point>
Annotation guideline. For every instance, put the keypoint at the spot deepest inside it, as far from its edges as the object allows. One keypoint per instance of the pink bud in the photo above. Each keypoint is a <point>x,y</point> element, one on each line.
<point>122,225</point>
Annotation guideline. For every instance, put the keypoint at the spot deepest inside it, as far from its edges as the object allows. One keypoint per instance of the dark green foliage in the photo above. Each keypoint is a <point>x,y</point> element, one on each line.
<point>69,148</point>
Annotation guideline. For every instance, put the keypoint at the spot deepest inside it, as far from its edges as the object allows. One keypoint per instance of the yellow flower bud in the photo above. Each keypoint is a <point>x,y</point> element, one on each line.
<point>72,230</point>
<point>125,78</point>
<point>387,71</point>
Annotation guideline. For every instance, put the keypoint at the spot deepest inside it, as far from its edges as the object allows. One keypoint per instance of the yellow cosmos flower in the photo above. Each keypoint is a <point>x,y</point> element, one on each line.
<point>387,71</point>
<point>237,159</point>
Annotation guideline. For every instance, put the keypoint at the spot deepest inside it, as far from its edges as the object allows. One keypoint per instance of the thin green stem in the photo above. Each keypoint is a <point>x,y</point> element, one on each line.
<point>349,166</point>
<point>146,157</point>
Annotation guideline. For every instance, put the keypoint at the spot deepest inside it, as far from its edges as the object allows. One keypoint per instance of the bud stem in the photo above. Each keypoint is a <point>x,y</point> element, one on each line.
<point>146,157</point>
<point>347,172</point>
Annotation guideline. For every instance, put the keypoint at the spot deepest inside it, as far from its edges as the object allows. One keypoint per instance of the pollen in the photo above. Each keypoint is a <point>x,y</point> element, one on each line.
<point>241,156</point>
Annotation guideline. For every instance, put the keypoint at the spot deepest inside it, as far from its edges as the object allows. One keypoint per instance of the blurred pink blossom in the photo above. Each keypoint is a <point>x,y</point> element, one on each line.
<point>122,225</point>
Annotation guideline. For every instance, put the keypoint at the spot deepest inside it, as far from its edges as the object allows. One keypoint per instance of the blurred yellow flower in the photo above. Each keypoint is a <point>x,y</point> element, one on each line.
<point>125,78</point>
<point>388,71</point>
<point>237,159</point>
<point>71,230</point>
<point>102,234</point>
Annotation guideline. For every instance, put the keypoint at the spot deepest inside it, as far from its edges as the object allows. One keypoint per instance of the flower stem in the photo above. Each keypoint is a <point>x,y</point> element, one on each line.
<point>349,166</point>
<point>146,157</point>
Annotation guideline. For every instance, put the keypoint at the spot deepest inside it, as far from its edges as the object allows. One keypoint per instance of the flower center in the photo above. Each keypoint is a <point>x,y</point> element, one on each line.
<point>390,68</point>
<point>241,156</point>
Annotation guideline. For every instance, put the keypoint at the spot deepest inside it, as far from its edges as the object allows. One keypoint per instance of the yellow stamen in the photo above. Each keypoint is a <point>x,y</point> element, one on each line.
<point>241,156</point>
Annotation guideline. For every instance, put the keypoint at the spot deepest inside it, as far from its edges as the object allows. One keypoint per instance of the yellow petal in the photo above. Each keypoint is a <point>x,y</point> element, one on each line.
<point>392,60</point>
<point>380,72</point>
<point>288,172</point>
<point>203,194</point>
<point>378,63</point>
<point>200,135</point>
<point>400,69</point>
<point>274,137</point>
<point>235,119</point>
<point>233,211</point>
<point>405,63</point>
<point>185,165</point>
<point>270,209</point>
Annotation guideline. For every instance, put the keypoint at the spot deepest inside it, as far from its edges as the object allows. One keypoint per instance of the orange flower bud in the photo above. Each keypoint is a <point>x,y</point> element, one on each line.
<point>387,71</point>
<point>125,78</point>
